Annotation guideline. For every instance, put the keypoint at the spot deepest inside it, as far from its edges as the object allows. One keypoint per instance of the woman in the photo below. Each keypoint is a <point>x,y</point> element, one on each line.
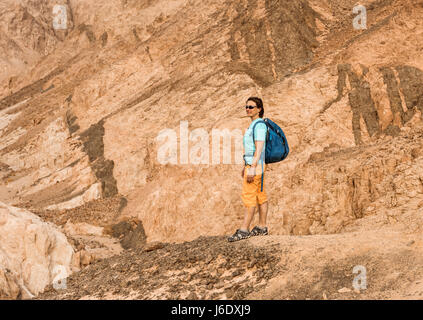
<point>252,195</point>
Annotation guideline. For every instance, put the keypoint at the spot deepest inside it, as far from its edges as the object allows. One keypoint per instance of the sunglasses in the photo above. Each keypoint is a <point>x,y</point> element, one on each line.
<point>250,107</point>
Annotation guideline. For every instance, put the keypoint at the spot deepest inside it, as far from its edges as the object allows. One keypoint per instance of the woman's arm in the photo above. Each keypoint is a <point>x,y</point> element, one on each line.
<point>252,172</point>
<point>257,154</point>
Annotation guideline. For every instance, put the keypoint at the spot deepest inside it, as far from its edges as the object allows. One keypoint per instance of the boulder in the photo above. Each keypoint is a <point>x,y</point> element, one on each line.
<point>33,254</point>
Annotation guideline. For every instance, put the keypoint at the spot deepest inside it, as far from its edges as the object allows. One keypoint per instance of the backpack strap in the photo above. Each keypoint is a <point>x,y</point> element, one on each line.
<point>261,121</point>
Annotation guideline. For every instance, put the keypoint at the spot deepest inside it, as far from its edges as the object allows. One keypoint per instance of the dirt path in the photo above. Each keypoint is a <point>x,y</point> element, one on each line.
<point>272,267</point>
<point>321,267</point>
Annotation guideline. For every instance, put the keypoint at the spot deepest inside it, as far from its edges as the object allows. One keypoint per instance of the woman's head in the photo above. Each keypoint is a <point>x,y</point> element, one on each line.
<point>258,103</point>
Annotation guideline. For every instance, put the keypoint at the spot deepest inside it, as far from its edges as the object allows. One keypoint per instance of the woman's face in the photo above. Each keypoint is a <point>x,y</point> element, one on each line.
<point>252,112</point>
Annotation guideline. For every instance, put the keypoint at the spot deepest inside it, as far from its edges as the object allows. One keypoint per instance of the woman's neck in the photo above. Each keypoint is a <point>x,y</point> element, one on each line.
<point>254,117</point>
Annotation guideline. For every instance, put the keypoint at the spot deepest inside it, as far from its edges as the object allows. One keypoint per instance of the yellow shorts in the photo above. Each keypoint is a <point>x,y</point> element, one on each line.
<point>251,192</point>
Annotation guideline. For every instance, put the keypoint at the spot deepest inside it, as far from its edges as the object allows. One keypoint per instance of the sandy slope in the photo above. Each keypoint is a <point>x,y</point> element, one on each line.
<point>80,111</point>
<point>272,267</point>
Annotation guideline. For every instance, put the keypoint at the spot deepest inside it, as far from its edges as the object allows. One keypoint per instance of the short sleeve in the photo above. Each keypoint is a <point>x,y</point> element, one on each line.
<point>260,132</point>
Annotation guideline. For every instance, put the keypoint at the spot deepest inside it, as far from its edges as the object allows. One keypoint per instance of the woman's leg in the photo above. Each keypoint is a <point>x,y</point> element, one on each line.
<point>248,217</point>
<point>249,199</point>
<point>263,208</point>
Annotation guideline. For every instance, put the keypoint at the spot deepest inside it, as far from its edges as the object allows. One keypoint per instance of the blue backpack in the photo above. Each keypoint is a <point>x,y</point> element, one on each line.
<point>277,148</point>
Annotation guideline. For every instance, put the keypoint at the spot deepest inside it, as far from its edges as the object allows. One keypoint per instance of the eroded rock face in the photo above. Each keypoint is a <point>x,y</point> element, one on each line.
<point>81,110</point>
<point>82,124</point>
<point>27,35</point>
<point>33,253</point>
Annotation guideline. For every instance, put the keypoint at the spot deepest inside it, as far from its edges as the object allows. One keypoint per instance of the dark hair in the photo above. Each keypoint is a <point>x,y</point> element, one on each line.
<point>259,104</point>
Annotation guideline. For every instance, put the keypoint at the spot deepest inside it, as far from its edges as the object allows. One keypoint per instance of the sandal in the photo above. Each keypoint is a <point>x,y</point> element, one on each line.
<point>257,231</point>
<point>239,235</point>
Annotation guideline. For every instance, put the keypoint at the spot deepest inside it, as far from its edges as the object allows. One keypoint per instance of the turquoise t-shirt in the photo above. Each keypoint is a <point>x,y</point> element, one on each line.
<point>260,132</point>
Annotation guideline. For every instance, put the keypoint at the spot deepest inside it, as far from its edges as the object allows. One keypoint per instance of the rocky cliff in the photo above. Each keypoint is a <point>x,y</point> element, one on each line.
<point>82,110</point>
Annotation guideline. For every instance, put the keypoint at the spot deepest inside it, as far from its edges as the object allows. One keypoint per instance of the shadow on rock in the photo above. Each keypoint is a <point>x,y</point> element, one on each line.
<point>131,233</point>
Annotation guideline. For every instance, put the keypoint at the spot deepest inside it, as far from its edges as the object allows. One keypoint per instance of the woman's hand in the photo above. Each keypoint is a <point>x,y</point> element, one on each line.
<point>250,179</point>
<point>250,174</point>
